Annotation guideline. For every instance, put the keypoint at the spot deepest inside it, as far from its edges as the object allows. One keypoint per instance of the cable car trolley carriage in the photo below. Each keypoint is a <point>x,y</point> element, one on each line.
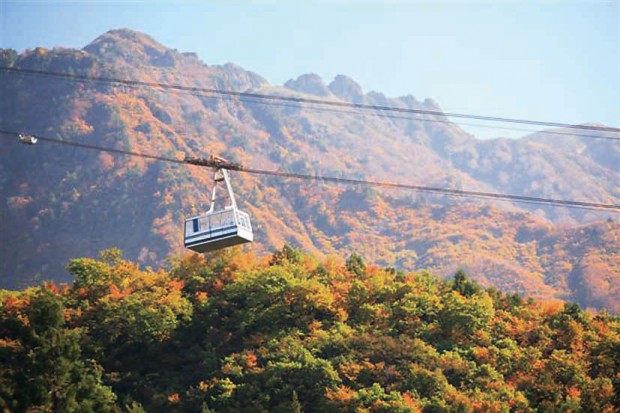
<point>223,225</point>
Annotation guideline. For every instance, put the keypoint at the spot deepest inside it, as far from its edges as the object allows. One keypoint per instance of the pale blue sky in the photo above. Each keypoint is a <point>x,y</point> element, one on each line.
<point>545,60</point>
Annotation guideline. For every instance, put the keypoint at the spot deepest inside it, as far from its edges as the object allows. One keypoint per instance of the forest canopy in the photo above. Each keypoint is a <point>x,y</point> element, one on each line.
<point>230,332</point>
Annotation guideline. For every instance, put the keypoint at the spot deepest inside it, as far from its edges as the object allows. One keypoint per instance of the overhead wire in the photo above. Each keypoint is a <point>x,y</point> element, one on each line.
<point>296,99</point>
<point>286,101</point>
<point>402,117</point>
<point>385,115</point>
<point>340,180</point>
<point>382,114</point>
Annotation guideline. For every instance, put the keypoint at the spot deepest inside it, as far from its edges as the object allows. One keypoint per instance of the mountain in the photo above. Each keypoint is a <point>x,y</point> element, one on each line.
<point>63,202</point>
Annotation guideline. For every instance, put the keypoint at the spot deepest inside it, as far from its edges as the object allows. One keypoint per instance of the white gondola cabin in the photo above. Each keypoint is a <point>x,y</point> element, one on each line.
<point>222,225</point>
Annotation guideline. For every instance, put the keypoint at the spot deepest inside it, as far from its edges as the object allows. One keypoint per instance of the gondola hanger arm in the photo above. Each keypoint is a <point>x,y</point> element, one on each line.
<point>214,161</point>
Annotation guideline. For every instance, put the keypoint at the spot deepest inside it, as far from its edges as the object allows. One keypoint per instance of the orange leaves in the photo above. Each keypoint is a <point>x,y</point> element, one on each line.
<point>15,305</point>
<point>539,365</point>
<point>573,335</point>
<point>411,403</point>
<point>51,287</point>
<point>550,308</point>
<point>19,202</point>
<point>117,294</point>
<point>186,266</point>
<point>41,51</point>
<point>230,369</point>
<point>350,370</point>
<point>343,396</point>
<point>252,361</point>
<point>244,261</point>
<point>573,392</point>
<point>168,198</point>
<point>201,296</point>
<point>218,285</point>
<point>240,364</point>
<point>482,355</point>
<point>204,386</point>
<point>81,127</point>
<point>10,344</point>
<point>176,285</point>
<point>315,325</point>
<point>106,161</point>
<point>379,340</point>
<point>14,302</point>
<point>73,314</point>
<point>81,292</point>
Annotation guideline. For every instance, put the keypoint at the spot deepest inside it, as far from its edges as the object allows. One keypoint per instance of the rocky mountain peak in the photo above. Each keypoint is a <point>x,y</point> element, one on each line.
<point>431,104</point>
<point>131,46</point>
<point>238,78</point>
<point>410,101</point>
<point>346,88</point>
<point>308,83</point>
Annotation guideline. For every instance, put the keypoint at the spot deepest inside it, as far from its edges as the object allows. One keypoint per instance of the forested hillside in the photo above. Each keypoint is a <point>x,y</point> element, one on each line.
<point>288,333</point>
<point>59,202</point>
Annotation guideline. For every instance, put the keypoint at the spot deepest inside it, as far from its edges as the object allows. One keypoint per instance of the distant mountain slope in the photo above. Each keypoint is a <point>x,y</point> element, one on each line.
<point>62,203</point>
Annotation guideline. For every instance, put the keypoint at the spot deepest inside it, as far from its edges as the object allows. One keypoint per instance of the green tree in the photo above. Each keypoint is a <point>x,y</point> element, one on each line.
<point>8,57</point>
<point>295,404</point>
<point>355,264</point>
<point>462,317</point>
<point>51,374</point>
<point>286,255</point>
<point>134,407</point>
<point>464,285</point>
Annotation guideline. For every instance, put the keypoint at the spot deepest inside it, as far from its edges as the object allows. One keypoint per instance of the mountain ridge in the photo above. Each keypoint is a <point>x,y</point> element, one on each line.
<point>144,203</point>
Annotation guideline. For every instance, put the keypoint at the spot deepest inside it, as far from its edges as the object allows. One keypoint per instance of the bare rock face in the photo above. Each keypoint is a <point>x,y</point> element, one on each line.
<point>309,83</point>
<point>346,89</point>
<point>238,78</point>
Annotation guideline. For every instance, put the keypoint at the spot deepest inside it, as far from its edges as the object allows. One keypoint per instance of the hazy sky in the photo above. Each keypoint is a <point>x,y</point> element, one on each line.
<point>545,60</point>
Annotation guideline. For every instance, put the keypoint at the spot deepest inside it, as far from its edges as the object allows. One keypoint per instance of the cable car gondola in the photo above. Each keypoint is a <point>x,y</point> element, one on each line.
<point>222,225</point>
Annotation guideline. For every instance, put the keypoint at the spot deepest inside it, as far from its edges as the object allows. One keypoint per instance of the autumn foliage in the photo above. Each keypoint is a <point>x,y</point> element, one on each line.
<point>62,202</point>
<point>228,332</point>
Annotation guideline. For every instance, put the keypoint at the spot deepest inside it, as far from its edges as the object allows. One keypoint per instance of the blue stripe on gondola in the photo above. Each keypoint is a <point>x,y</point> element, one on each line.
<point>204,240</point>
<point>202,234</point>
